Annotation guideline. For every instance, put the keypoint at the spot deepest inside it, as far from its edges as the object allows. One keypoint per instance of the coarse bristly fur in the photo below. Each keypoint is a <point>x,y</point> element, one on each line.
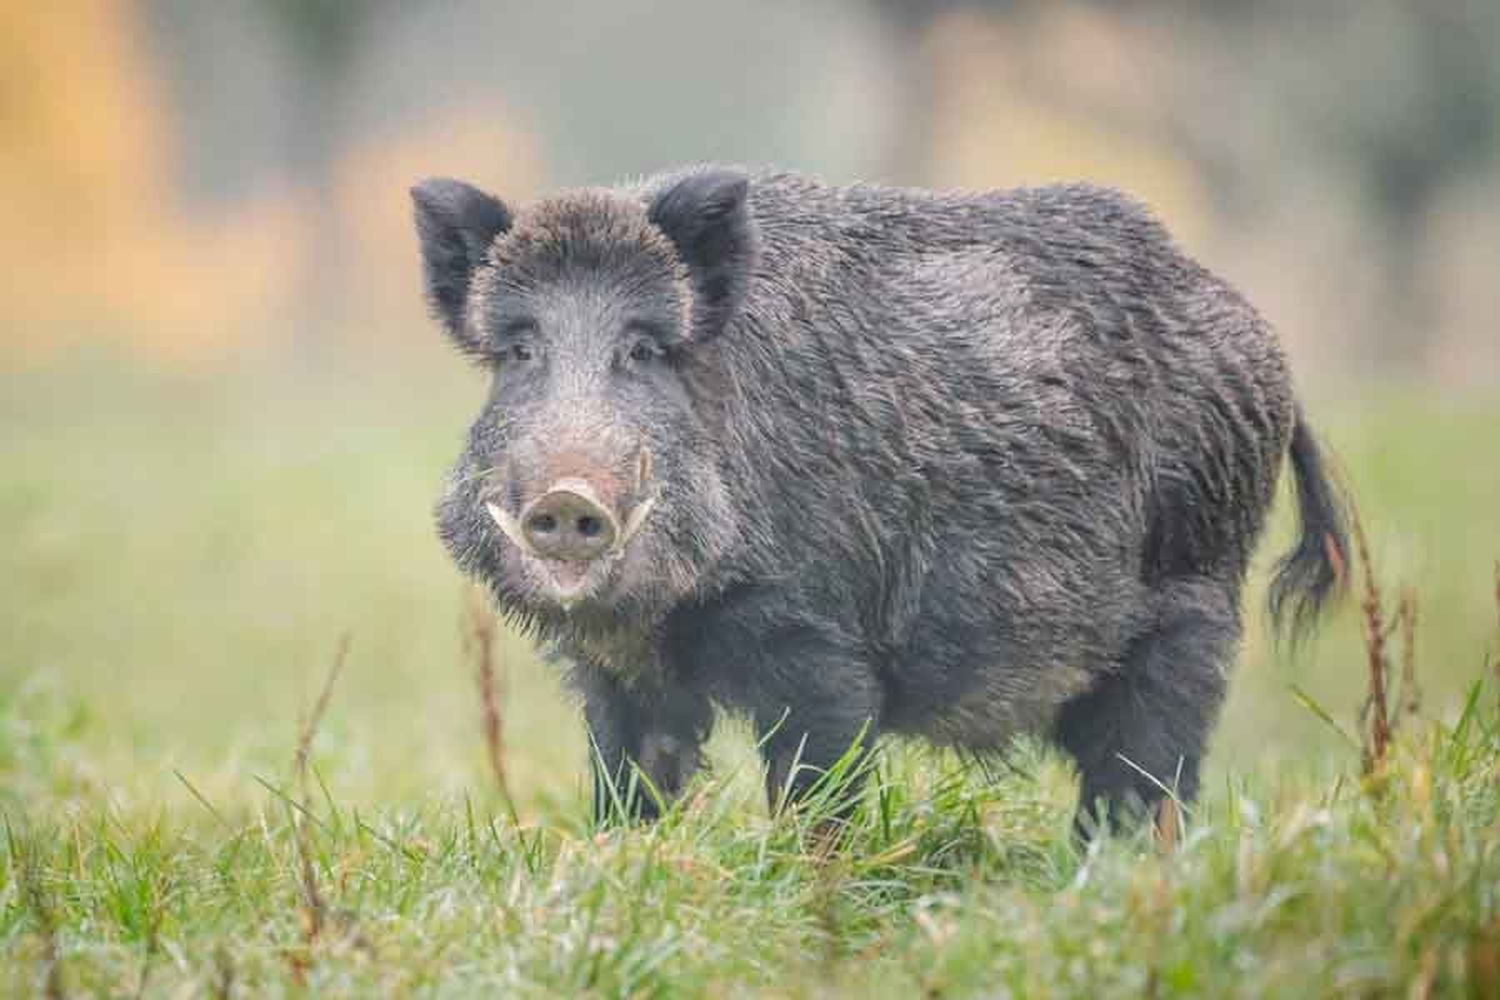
<point>956,465</point>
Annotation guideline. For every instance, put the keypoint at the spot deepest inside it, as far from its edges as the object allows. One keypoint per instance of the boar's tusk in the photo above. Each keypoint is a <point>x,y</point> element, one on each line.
<point>509,526</point>
<point>643,468</point>
<point>634,522</point>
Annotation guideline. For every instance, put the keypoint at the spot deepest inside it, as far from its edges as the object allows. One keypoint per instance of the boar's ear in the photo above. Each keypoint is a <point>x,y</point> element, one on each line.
<point>456,223</point>
<point>707,218</point>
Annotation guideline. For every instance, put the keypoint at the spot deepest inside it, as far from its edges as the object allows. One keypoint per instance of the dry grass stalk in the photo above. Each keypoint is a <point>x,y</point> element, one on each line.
<point>1168,822</point>
<point>481,639</point>
<point>1406,627</point>
<point>314,909</point>
<point>311,721</point>
<point>1375,718</point>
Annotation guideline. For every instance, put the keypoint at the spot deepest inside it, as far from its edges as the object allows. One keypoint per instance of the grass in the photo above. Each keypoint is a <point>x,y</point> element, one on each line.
<point>183,555</point>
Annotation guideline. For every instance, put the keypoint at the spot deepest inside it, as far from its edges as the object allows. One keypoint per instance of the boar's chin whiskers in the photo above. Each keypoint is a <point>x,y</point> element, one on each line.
<point>469,477</point>
<point>510,527</point>
<point>477,474</point>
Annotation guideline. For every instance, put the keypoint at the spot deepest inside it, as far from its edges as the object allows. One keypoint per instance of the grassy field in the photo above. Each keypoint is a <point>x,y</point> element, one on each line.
<point>184,554</point>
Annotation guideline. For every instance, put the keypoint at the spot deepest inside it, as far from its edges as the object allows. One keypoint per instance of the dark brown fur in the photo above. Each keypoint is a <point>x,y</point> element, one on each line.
<point>962,466</point>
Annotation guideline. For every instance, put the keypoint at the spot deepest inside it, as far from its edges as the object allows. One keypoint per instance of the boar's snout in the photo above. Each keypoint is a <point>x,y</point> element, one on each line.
<point>569,523</point>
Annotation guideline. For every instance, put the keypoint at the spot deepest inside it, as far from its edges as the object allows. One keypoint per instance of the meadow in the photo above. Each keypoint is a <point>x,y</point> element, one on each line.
<point>185,556</point>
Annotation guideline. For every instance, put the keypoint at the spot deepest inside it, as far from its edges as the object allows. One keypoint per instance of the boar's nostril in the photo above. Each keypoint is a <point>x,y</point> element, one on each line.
<point>567,523</point>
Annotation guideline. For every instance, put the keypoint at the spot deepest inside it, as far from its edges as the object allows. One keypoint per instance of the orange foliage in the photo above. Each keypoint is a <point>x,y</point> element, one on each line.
<point>79,159</point>
<point>94,246</point>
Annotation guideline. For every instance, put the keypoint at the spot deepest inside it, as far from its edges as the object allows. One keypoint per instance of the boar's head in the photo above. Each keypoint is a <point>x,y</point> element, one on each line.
<point>592,478</point>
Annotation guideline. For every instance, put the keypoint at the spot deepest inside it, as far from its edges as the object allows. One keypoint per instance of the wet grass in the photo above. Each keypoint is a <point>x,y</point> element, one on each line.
<point>183,555</point>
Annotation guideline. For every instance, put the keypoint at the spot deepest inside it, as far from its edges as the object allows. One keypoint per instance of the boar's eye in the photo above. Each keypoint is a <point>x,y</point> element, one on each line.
<point>515,341</point>
<point>645,344</point>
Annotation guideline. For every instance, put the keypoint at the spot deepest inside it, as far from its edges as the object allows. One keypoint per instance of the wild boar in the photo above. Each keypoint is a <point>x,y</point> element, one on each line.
<point>864,460</point>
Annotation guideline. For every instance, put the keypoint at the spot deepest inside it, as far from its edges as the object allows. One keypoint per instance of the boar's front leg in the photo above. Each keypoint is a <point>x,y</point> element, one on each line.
<point>803,679</point>
<point>814,713</point>
<point>646,742</point>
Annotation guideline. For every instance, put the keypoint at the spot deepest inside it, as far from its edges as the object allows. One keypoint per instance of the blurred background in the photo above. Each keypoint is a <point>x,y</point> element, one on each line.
<point>225,414</point>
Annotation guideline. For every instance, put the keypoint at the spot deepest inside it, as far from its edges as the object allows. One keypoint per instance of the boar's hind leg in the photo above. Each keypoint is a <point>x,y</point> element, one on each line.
<point>1140,731</point>
<point>646,743</point>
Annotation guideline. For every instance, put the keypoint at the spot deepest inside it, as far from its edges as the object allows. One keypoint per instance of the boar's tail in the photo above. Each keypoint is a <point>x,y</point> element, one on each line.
<point>1314,571</point>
